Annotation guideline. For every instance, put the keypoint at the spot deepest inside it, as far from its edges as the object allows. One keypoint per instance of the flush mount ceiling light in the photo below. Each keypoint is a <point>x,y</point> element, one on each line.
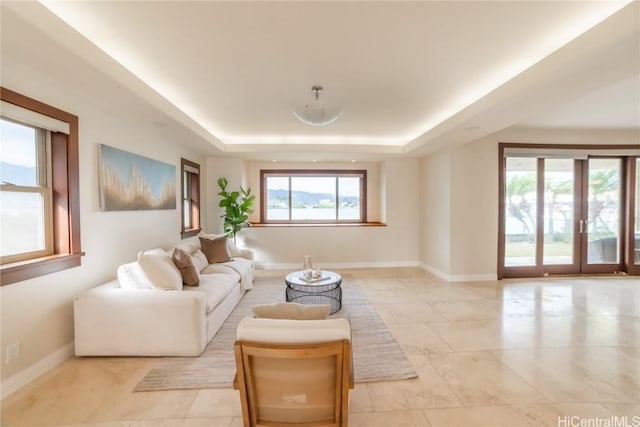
<point>316,113</point>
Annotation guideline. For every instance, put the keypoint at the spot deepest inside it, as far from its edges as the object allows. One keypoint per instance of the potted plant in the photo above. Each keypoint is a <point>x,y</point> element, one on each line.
<point>237,205</point>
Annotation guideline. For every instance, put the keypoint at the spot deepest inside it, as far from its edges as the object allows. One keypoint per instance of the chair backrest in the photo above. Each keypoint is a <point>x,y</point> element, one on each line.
<point>303,381</point>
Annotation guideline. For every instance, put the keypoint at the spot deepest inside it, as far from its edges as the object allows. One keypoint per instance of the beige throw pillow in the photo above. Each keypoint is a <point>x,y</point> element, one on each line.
<point>216,250</point>
<point>292,311</point>
<point>188,271</point>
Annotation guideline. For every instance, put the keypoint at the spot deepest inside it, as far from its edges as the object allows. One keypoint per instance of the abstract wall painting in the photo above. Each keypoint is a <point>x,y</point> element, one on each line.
<point>129,182</point>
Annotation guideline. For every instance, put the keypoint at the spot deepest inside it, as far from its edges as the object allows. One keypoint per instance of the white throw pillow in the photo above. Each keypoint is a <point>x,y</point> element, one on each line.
<point>159,268</point>
<point>131,276</point>
<point>188,247</point>
<point>199,259</point>
<point>286,331</point>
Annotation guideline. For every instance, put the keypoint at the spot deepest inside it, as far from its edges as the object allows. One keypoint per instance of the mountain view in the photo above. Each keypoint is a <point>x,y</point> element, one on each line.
<point>16,174</point>
<point>277,198</point>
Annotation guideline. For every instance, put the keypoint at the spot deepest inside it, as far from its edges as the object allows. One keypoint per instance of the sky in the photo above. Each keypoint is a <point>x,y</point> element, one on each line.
<point>17,144</point>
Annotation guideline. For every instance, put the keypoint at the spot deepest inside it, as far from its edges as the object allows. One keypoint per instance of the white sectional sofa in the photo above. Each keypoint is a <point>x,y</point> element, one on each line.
<point>139,315</point>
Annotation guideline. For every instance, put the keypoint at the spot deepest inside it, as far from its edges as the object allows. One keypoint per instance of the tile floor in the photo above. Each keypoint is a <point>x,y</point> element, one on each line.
<point>537,352</point>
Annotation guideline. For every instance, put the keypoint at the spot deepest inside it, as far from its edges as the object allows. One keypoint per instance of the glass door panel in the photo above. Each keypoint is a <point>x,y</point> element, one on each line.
<point>636,214</point>
<point>604,211</point>
<point>559,209</point>
<point>520,211</point>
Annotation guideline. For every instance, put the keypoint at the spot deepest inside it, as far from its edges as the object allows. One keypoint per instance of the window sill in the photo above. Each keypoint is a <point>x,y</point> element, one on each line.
<point>190,233</point>
<point>24,270</point>
<point>319,224</point>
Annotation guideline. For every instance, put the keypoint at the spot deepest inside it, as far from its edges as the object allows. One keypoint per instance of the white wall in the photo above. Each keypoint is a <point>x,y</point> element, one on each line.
<point>473,229</point>
<point>331,246</point>
<point>435,212</point>
<point>38,313</point>
<point>459,214</point>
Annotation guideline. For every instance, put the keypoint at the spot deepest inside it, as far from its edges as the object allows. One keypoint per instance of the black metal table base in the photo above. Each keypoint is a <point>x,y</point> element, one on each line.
<point>332,297</point>
<point>329,292</point>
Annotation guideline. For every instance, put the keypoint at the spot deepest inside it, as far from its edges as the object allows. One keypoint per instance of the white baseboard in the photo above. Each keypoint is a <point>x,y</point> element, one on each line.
<point>337,265</point>
<point>24,377</point>
<point>435,272</point>
<point>459,277</point>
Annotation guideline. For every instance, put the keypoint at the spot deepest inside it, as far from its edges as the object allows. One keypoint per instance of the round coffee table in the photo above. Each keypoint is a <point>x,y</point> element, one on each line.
<point>324,290</point>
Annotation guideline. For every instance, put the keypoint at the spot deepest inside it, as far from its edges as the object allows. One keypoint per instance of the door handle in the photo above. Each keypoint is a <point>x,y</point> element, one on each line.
<point>583,226</point>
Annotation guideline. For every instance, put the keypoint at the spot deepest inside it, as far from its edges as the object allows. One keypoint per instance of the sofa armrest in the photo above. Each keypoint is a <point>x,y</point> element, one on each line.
<point>246,253</point>
<point>111,321</point>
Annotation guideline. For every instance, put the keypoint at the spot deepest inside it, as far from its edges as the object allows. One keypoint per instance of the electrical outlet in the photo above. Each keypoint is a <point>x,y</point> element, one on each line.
<point>13,352</point>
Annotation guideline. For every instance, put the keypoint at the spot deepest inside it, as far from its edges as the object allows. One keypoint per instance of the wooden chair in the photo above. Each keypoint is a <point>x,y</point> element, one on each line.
<point>294,372</point>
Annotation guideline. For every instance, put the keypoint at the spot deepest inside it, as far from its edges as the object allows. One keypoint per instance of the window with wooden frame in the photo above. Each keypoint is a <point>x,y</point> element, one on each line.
<point>313,196</point>
<point>25,192</point>
<point>39,189</point>
<point>190,198</point>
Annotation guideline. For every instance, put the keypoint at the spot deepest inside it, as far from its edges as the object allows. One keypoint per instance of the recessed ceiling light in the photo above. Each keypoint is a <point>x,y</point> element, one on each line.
<point>353,161</point>
<point>314,160</point>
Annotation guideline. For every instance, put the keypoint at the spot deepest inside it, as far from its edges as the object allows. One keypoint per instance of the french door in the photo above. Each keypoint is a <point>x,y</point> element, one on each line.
<point>569,216</point>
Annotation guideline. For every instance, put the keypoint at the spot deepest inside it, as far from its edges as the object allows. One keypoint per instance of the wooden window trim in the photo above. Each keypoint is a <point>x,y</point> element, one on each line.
<point>629,249</point>
<point>65,197</point>
<point>313,172</point>
<point>194,199</point>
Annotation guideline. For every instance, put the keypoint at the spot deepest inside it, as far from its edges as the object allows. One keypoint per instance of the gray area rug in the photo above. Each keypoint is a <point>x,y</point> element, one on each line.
<point>376,354</point>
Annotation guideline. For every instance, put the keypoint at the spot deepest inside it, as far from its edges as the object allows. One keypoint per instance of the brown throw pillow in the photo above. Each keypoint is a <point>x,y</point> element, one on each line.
<point>216,250</point>
<point>188,270</point>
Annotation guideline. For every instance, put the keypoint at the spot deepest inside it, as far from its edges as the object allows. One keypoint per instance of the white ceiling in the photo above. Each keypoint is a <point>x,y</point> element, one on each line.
<point>615,106</point>
<point>409,77</point>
